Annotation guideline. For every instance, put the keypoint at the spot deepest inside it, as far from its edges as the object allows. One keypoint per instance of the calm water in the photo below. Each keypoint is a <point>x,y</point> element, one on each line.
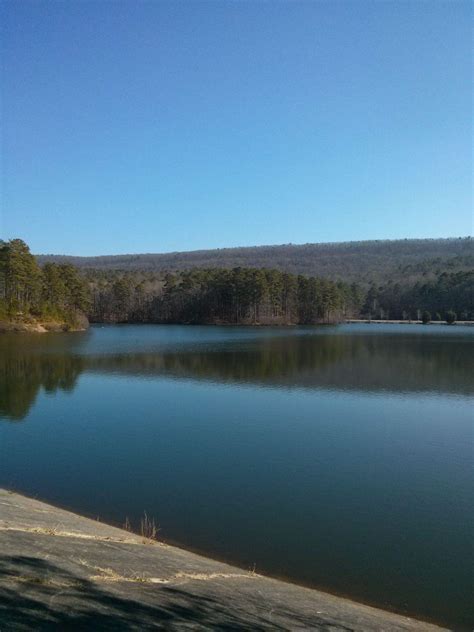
<point>336,457</point>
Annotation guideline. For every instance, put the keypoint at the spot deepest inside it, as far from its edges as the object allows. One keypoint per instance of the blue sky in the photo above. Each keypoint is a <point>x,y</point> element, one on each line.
<point>159,126</point>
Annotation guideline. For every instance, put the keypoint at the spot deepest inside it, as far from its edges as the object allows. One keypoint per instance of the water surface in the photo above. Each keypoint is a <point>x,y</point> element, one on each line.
<point>338,457</point>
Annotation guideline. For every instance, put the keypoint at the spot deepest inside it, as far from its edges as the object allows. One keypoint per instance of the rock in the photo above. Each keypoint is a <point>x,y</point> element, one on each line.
<point>60,571</point>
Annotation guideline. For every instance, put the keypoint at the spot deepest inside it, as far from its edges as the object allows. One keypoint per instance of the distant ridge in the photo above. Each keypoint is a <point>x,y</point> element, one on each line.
<point>350,261</point>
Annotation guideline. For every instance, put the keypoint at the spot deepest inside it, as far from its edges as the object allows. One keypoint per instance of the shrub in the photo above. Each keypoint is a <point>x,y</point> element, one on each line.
<point>425,318</point>
<point>451,317</point>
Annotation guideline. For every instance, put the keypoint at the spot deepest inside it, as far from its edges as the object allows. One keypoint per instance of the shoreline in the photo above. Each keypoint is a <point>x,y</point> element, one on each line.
<point>36,521</point>
<point>355,321</point>
<point>43,327</point>
<point>39,327</point>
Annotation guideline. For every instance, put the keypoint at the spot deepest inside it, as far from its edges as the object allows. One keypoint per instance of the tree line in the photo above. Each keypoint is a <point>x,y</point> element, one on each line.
<point>449,296</point>
<point>240,295</point>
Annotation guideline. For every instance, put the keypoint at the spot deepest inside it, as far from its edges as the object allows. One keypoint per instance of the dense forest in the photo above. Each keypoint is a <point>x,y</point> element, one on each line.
<point>363,262</point>
<point>250,295</point>
<point>447,295</point>
<point>240,295</point>
<point>55,294</point>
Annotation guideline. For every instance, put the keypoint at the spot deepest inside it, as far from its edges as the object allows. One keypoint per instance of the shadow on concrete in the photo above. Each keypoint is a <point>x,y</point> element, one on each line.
<point>39,595</point>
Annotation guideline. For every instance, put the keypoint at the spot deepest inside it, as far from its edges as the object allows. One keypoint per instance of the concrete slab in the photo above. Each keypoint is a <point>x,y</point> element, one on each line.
<point>60,571</point>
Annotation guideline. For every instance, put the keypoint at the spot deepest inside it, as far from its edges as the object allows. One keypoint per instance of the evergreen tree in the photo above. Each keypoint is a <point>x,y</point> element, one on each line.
<point>21,277</point>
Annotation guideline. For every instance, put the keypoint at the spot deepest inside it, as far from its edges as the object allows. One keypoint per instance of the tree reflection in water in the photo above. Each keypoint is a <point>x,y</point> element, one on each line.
<point>336,361</point>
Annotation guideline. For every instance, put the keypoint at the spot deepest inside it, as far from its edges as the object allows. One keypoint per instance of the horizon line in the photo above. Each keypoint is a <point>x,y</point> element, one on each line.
<point>296,245</point>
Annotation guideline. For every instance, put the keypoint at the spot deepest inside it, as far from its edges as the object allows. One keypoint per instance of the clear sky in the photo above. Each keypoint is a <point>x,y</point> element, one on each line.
<point>138,126</point>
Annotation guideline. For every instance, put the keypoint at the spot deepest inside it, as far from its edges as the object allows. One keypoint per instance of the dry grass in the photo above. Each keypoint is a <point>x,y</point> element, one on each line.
<point>73,534</point>
<point>181,577</point>
<point>148,528</point>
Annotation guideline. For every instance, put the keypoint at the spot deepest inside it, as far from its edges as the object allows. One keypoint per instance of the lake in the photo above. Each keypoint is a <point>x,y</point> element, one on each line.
<point>335,457</point>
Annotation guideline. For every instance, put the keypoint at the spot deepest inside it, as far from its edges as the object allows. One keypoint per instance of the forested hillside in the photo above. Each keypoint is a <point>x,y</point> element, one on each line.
<point>441,290</point>
<point>242,295</point>
<point>361,262</point>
